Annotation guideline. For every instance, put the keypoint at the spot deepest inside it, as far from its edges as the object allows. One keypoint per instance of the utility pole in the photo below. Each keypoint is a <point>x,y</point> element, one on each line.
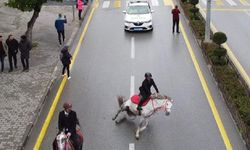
<point>208,18</point>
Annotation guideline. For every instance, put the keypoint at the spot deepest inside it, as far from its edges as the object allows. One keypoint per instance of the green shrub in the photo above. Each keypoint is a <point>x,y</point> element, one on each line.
<point>194,2</point>
<point>220,52</point>
<point>199,28</point>
<point>194,11</point>
<point>244,111</point>
<point>219,38</point>
<point>209,48</point>
<point>218,60</point>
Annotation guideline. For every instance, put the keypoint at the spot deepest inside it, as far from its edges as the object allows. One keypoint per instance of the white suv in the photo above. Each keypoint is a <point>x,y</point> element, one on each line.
<point>138,16</point>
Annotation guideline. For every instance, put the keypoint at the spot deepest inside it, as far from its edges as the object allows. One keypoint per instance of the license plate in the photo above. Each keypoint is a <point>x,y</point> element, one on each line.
<point>137,29</point>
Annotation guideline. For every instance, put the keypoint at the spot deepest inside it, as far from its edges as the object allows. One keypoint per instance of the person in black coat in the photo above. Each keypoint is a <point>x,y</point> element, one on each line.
<point>12,51</point>
<point>3,49</point>
<point>67,122</point>
<point>145,91</point>
<point>25,47</point>
<point>65,57</point>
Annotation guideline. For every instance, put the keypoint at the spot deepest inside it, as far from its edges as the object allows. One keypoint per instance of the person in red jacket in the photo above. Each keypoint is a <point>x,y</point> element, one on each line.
<point>176,18</point>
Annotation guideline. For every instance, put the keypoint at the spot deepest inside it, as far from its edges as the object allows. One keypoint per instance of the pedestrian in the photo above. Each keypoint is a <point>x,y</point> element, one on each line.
<point>176,18</point>
<point>80,8</point>
<point>12,51</point>
<point>25,47</point>
<point>3,49</point>
<point>65,57</point>
<point>59,24</point>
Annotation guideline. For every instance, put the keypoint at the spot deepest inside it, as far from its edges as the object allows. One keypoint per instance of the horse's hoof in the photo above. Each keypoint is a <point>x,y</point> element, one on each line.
<point>137,138</point>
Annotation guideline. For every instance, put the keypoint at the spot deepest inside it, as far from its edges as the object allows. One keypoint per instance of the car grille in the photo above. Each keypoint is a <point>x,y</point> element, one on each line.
<point>138,23</point>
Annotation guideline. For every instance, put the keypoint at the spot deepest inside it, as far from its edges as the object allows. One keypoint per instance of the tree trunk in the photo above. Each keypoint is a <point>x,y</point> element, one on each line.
<point>31,23</point>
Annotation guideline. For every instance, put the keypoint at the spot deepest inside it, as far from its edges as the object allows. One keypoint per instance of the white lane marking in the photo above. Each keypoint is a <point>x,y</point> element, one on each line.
<point>131,146</point>
<point>155,2</point>
<point>127,3</point>
<point>247,13</point>
<point>204,1</point>
<point>106,4</point>
<point>231,2</point>
<point>132,85</point>
<point>133,47</point>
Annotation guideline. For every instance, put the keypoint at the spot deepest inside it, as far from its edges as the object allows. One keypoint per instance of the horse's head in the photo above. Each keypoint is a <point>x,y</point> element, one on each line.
<point>168,105</point>
<point>61,140</point>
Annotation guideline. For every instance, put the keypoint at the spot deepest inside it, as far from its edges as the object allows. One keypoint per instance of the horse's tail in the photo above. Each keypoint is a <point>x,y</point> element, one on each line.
<point>120,100</point>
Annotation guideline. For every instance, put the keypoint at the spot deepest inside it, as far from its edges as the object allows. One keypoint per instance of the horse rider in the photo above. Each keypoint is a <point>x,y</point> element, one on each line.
<point>67,122</point>
<point>145,91</point>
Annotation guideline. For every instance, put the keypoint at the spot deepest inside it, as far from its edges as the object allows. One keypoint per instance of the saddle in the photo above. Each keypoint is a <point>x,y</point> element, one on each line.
<point>136,99</point>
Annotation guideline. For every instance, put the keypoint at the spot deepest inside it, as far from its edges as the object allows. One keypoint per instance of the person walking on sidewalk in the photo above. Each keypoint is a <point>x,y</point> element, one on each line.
<point>3,49</point>
<point>65,57</point>
<point>59,24</point>
<point>175,13</point>
<point>80,8</point>
<point>12,51</point>
<point>25,47</point>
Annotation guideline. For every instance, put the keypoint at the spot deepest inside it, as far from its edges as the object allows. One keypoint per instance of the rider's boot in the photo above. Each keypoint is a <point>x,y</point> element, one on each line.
<point>139,110</point>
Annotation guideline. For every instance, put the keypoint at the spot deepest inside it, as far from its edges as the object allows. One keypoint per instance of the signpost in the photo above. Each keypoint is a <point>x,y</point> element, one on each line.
<point>208,18</point>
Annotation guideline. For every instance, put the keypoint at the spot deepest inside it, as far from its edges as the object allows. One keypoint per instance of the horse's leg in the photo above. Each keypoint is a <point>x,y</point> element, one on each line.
<point>145,121</point>
<point>118,112</point>
<point>121,118</point>
<point>137,133</point>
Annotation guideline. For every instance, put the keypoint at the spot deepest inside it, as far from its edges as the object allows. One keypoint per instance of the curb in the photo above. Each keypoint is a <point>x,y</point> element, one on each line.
<point>54,78</point>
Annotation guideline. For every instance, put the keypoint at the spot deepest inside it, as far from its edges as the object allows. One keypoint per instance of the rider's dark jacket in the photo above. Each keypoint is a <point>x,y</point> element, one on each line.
<point>145,87</point>
<point>68,122</point>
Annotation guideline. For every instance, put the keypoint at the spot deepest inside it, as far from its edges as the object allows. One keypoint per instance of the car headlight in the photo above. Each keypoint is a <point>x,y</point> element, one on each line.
<point>148,21</point>
<point>128,21</point>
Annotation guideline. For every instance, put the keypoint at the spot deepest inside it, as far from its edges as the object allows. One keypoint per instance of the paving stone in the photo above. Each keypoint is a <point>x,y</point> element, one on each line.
<point>21,93</point>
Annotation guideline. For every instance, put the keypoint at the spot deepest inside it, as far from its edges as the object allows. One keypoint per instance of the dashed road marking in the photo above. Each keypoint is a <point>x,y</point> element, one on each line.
<point>155,2</point>
<point>244,2</point>
<point>219,2</point>
<point>132,47</point>
<point>131,146</point>
<point>117,4</point>
<point>132,85</point>
<point>105,4</point>
<point>167,2</point>
<point>231,2</point>
<point>204,2</point>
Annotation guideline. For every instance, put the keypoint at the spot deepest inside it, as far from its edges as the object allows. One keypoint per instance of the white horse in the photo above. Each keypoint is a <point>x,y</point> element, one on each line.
<point>62,142</point>
<point>129,109</point>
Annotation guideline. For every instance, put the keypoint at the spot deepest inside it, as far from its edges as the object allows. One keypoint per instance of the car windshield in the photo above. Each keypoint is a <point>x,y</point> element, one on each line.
<point>138,10</point>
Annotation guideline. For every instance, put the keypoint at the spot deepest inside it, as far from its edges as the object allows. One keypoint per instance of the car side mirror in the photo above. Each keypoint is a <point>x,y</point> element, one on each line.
<point>152,11</point>
<point>124,11</point>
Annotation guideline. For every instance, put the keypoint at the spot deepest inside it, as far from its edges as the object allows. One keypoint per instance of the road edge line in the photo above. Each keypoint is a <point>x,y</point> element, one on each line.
<point>210,100</point>
<point>207,92</point>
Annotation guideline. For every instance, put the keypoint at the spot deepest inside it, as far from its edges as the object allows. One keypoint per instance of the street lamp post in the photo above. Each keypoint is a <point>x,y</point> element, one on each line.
<point>208,18</point>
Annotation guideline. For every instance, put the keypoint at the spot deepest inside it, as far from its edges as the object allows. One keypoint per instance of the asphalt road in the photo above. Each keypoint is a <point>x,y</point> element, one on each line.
<point>103,70</point>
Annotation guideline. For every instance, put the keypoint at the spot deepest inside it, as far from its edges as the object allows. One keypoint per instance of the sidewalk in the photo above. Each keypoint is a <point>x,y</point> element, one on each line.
<point>23,93</point>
